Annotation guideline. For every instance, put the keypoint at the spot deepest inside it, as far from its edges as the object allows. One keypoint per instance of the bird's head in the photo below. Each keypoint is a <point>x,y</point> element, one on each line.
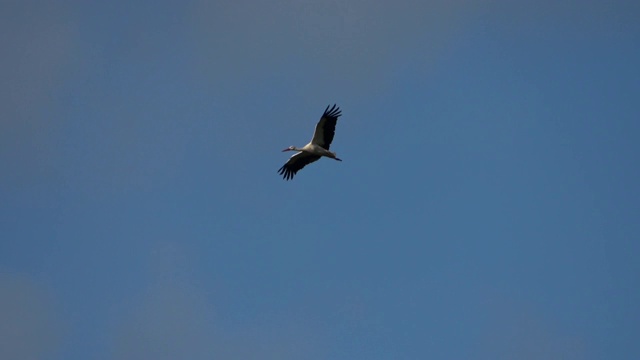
<point>290,148</point>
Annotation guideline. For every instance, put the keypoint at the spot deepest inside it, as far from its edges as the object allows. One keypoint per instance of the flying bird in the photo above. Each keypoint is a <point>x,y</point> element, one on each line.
<point>317,147</point>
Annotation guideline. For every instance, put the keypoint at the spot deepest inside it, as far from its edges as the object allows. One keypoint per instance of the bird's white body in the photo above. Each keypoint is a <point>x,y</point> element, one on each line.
<point>318,146</point>
<point>314,149</point>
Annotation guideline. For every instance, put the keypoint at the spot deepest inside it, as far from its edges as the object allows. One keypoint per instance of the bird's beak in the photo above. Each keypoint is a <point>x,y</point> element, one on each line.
<point>287,149</point>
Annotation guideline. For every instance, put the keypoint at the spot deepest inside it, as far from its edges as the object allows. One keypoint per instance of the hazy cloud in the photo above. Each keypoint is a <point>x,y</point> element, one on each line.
<point>348,43</point>
<point>28,326</point>
<point>174,318</point>
<point>516,330</point>
<point>37,42</point>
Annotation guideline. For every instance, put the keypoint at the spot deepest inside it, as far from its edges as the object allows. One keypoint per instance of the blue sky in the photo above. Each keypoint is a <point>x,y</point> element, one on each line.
<point>486,208</point>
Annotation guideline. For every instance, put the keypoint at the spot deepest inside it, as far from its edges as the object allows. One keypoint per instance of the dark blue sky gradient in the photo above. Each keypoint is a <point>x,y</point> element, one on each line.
<point>486,208</point>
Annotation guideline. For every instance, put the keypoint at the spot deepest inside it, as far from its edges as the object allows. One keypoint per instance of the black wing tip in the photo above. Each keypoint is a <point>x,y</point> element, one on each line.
<point>286,173</point>
<point>333,112</point>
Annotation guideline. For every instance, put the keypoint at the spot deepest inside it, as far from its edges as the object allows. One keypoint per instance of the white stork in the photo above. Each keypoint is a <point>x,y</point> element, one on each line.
<point>317,148</point>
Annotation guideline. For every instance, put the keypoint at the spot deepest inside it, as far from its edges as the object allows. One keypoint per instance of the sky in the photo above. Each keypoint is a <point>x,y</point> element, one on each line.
<point>486,208</point>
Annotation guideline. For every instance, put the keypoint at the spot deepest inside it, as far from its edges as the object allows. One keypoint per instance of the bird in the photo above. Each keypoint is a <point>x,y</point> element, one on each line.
<point>316,148</point>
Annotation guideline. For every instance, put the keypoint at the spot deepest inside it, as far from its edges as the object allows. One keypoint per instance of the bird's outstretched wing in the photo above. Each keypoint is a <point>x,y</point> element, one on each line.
<point>295,163</point>
<point>326,127</point>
